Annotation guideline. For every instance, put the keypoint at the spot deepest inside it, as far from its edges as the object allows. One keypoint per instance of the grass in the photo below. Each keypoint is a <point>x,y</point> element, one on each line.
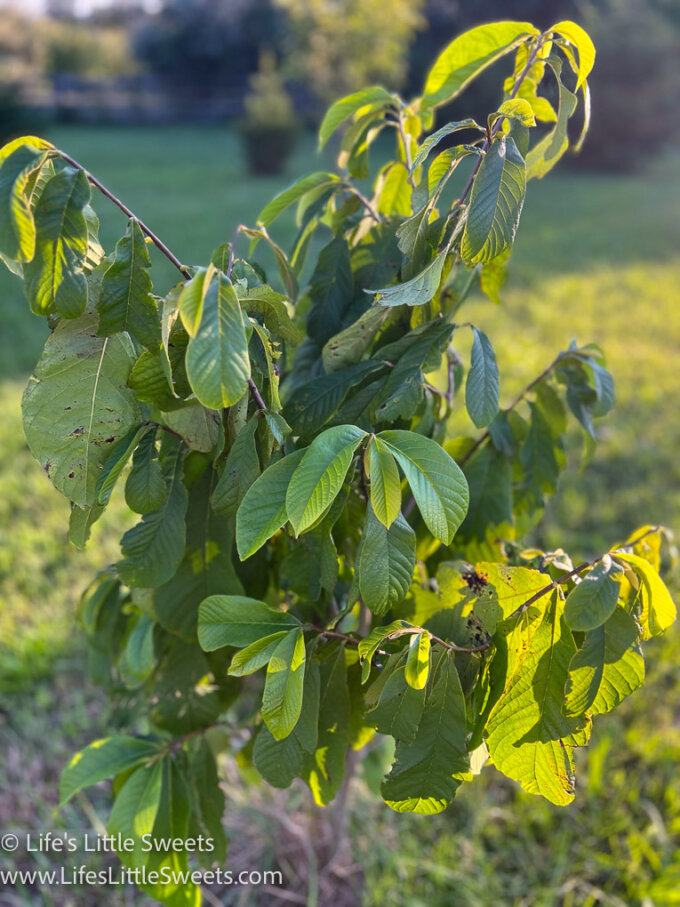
<point>596,259</point>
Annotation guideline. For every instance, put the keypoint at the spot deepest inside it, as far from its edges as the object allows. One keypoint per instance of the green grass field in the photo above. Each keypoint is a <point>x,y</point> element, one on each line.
<point>597,259</point>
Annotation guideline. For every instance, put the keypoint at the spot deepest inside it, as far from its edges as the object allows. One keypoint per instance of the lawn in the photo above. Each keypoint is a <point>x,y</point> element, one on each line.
<point>597,259</point>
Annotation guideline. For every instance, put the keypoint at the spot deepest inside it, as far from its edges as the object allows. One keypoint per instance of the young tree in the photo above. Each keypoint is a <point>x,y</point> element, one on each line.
<point>316,559</point>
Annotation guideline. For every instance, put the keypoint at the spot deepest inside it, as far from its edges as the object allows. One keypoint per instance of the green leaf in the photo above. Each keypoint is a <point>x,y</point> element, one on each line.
<point>289,196</point>
<point>273,308</point>
<point>207,802</point>
<point>518,109</point>
<point>347,347</point>
<point>280,761</point>
<point>500,590</point>
<point>583,43</point>
<point>314,403</point>
<point>102,759</point>
<point>324,769</point>
<point>320,475</point>
<point>489,477</point>
<point>421,779</point>
<point>116,463</point>
<point>338,112</point>
<point>468,55</point>
<point>282,697</point>
<point>538,459</point>
<point>145,488</point>
<point>546,153</point>
<point>217,361</point>
<point>383,474</point>
<point>418,661</point>
<point>234,620</point>
<point>137,659</point>
<point>592,601</point>
<point>400,707</point>
<point>241,469</point>
<point>481,388</point>
<point>153,549</point>
<point>658,609</point>
<point>76,405</point>
<point>385,562</point>
<point>263,509</point>
<point>256,655</point>
<point>495,204</point>
<point>134,811</point>
<point>55,279</point>
<point>286,274</point>
<point>191,299</point>
<point>416,291</point>
<point>437,483</point>
<point>369,645</point>
<point>394,195</point>
<point>331,290</point>
<point>125,302</point>
<point>432,140</point>
<point>17,228</point>
<point>528,737</point>
<point>608,667</point>
<point>198,427</point>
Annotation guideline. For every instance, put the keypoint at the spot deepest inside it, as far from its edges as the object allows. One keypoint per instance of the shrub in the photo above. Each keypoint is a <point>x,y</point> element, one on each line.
<point>316,560</point>
<point>269,127</point>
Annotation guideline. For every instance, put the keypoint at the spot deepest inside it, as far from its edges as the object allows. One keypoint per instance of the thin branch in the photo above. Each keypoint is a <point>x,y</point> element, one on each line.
<point>160,245</point>
<point>497,125</point>
<point>587,565</point>
<point>256,395</point>
<point>409,631</point>
<point>365,202</point>
<point>532,384</point>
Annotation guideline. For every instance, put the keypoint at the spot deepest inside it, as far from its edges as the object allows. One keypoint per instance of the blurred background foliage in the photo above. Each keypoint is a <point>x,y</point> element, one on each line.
<point>159,106</point>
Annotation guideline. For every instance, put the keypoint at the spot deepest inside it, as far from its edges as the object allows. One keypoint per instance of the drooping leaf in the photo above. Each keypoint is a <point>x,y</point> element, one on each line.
<point>55,279</point>
<point>217,361</point>
<point>198,426</point>
<point>417,666</point>
<point>433,140</point>
<point>282,697</point>
<point>482,387</point>
<point>495,203</point>
<point>153,549</point>
<point>145,488</point>
<point>319,477</point>
<point>235,620</point>
<point>529,738</point>
<point>102,759</point>
<point>273,308</point>
<point>81,378</point>
<point>17,227</point>
<point>263,509</point>
<point>489,478</point>
<point>658,610</point>
<point>386,559</point>
<point>241,469</point>
<point>416,291</point>
<point>116,463</point>
<point>399,708</point>
<point>125,302</point>
<point>470,54</point>
<point>385,484</point>
<point>608,667</point>
<point>421,779</point>
<point>582,41</point>
<point>134,811</point>
<point>437,483</point>
<point>289,196</point>
<point>546,153</point>
<point>338,112</point>
<point>593,600</point>
<point>256,655</point>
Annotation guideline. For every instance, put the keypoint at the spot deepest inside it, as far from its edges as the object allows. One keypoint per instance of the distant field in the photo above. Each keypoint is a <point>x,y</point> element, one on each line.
<point>597,258</point>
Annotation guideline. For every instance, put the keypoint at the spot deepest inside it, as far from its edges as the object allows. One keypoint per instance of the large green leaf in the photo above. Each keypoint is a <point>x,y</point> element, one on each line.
<point>482,388</point>
<point>234,620</point>
<point>592,601</point>
<point>153,549</point>
<point>489,477</point>
<point>263,508</point>
<point>546,153</point>
<point>55,279</point>
<point>470,54</point>
<point>17,228</point>
<point>241,469</point>
<point>419,289</point>
<point>386,559</point>
<point>320,475</point>
<point>290,195</point>
<point>421,779</point>
<point>125,302</point>
<point>529,738</point>
<point>217,361</point>
<point>338,112</point>
<point>658,610</point>
<point>102,759</point>
<point>495,204</point>
<point>280,761</point>
<point>383,474</point>
<point>433,140</point>
<point>134,811</point>
<point>282,697</point>
<point>437,483</point>
<point>400,707</point>
<point>607,668</point>
<point>77,405</point>
<point>347,347</point>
